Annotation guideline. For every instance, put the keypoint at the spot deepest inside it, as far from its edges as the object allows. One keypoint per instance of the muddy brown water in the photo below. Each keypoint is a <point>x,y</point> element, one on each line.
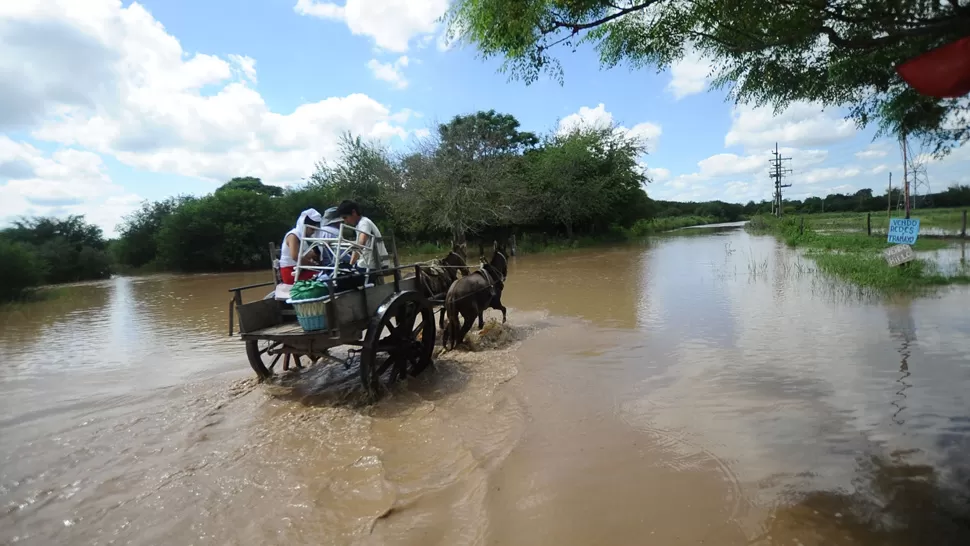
<point>705,389</point>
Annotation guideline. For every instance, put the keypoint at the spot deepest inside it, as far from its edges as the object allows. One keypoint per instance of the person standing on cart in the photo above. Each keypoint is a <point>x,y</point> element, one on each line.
<point>375,254</point>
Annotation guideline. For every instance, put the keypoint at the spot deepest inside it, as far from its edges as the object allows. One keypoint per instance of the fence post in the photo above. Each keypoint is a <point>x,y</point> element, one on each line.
<point>869,224</point>
<point>963,230</point>
<point>801,226</point>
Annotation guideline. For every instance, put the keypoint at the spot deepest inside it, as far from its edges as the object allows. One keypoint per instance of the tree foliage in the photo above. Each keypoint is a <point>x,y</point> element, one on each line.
<point>253,184</point>
<point>835,52</point>
<point>476,175</point>
<point>137,245</point>
<point>224,231</point>
<point>590,177</point>
<point>50,250</point>
<point>20,269</point>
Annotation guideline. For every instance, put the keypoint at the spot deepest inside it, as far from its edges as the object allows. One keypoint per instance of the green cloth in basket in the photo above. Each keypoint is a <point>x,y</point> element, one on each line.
<point>308,290</point>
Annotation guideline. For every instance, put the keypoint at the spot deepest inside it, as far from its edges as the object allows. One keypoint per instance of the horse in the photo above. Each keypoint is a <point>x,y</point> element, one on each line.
<point>470,296</point>
<point>438,275</point>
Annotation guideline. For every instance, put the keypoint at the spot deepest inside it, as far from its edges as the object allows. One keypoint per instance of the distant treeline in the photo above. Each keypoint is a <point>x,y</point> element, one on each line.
<point>866,201</point>
<point>477,177</point>
<point>39,251</point>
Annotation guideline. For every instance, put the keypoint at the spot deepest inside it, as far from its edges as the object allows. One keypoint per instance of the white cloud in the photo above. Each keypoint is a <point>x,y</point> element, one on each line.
<point>390,72</point>
<point>658,174</point>
<point>873,151</point>
<point>648,133</point>
<point>802,124</point>
<point>392,24</point>
<point>689,75</point>
<point>111,79</point>
<point>689,188</point>
<point>655,174</point>
<point>67,181</point>
<point>720,176</point>
<point>246,65</point>
<point>825,174</point>
<point>729,164</point>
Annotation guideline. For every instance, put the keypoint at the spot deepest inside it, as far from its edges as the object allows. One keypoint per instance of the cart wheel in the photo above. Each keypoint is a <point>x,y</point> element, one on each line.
<point>263,356</point>
<point>403,329</point>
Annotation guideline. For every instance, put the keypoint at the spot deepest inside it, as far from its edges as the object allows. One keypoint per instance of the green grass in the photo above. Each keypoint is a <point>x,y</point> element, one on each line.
<point>857,258</point>
<point>946,219</point>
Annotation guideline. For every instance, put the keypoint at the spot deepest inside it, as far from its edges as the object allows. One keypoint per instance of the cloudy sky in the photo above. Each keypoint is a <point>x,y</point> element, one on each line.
<point>106,103</point>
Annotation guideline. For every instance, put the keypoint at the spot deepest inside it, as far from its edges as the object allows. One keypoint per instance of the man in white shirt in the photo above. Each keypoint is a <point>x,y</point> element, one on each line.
<point>374,259</point>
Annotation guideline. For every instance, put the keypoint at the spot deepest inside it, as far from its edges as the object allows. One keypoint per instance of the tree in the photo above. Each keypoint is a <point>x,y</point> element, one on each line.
<point>364,172</point>
<point>224,231</point>
<point>587,176</point>
<point>137,244</point>
<point>249,183</point>
<point>68,250</point>
<point>483,135</point>
<point>20,269</point>
<point>468,182</point>
<point>835,52</point>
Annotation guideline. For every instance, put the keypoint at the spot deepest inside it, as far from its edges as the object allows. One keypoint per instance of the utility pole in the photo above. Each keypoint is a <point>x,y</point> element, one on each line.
<point>905,175</point>
<point>889,198</point>
<point>776,173</point>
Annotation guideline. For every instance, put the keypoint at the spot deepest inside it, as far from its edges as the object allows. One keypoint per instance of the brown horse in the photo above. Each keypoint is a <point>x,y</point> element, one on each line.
<point>438,275</point>
<point>470,296</point>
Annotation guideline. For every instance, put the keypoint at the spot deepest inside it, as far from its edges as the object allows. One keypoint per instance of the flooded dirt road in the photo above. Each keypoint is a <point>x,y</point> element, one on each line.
<point>703,389</point>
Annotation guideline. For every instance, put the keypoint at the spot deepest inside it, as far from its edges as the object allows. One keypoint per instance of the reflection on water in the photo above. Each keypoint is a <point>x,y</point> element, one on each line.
<point>951,260</point>
<point>892,503</point>
<point>708,388</point>
<point>903,329</point>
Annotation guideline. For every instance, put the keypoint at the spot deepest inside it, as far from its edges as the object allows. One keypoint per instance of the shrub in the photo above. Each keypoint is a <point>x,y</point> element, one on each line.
<point>20,270</point>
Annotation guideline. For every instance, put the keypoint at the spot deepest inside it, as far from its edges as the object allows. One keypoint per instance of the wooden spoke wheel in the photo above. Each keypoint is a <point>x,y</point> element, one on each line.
<point>266,357</point>
<point>399,341</point>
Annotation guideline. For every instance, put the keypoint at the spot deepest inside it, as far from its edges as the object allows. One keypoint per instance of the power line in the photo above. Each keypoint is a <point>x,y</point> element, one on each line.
<point>777,172</point>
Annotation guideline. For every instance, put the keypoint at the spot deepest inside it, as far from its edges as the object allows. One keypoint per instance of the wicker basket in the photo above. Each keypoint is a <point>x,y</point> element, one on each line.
<point>311,313</point>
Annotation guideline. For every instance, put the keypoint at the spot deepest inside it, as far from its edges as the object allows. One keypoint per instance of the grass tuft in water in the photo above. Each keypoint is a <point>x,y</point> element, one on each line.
<point>857,258</point>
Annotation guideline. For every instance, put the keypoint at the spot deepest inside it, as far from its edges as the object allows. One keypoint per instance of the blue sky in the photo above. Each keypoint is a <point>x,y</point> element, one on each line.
<point>114,102</point>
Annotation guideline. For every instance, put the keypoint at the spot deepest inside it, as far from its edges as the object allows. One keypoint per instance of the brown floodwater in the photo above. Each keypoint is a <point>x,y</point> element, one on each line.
<point>710,388</point>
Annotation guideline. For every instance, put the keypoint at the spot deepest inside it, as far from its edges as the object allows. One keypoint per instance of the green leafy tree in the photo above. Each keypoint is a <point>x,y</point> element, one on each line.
<point>364,172</point>
<point>69,249</point>
<point>137,243</point>
<point>249,183</point>
<point>20,269</point>
<point>224,231</point>
<point>467,181</point>
<point>836,52</point>
<point>583,176</point>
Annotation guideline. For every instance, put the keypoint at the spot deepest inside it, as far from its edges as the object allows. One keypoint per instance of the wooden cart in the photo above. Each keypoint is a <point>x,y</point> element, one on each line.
<point>390,326</point>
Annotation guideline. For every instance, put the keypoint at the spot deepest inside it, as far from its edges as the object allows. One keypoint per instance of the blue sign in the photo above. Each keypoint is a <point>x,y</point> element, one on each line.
<point>903,231</point>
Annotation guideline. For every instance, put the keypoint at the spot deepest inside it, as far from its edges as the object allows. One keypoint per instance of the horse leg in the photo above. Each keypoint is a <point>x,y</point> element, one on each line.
<point>497,304</point>
<point>444,336</point>
<point>441,319</point>
<point>469,321</point>
<point>481,319</point>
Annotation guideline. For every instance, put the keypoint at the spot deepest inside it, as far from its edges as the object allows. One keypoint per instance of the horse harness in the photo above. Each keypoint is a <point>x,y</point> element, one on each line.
<point>433,277</point>
<point>483,271</point>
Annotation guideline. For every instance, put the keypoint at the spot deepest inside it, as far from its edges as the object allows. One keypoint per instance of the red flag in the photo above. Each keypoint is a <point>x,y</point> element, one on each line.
<point>943,72</point>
